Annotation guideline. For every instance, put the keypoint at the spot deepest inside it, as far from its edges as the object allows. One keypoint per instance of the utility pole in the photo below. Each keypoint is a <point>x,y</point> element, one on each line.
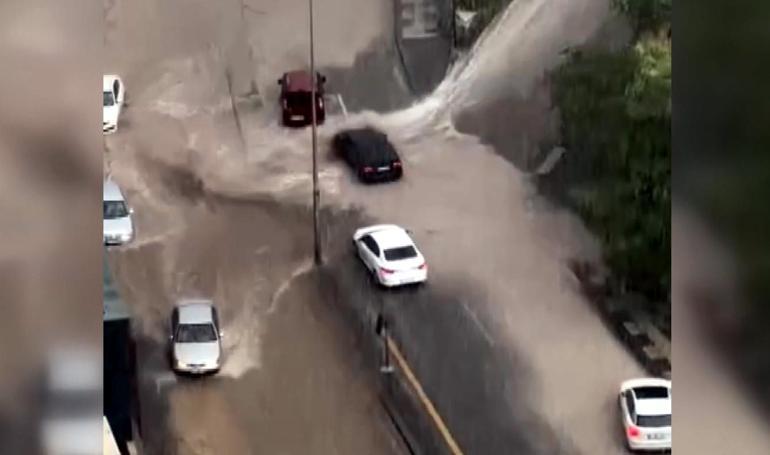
<point>316,191</point>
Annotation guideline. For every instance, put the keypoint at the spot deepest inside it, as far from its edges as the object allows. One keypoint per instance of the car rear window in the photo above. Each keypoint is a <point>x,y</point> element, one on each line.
<point>651,392</point>
<point>653,421</point>
<point>298,99</point>
<point>397,254</point>
<point>108,99</point>
<point>376,152</point>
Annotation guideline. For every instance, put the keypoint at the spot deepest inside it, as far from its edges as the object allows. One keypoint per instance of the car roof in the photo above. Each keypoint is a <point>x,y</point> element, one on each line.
<point>111,191</point>
<point>372,141</point>
<point>193,311</point>
<point>391,237</point>
<point>107,81</point>
<point>299,81</point>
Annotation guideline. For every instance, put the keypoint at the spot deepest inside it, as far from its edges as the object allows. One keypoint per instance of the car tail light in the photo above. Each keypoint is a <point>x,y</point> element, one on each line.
<point>633,432</point>
<point>423,266</point>
<point>368,169</point>
<point>397,164</point>
<point>386,271</point>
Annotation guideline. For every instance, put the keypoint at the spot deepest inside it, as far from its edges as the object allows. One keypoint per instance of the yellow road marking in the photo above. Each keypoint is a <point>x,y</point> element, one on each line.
<point>424,398</point>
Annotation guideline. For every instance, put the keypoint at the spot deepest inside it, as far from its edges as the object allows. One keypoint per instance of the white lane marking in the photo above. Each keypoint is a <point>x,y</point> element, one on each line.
<point>342,105</point>
<point>478,323</point>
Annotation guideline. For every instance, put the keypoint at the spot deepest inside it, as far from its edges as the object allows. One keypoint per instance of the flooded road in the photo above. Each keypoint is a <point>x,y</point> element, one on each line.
<point>504,344</point>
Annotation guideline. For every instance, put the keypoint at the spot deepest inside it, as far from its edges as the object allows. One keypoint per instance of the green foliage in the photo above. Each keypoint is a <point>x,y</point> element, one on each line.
<point>646,15</point>
<point>616,112</point>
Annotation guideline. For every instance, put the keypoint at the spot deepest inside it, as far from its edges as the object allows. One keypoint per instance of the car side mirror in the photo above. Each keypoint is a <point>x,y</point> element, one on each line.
<point>221,334</point>
<point>279,82</point>
<point>171,338</point>
<point>131,211</point>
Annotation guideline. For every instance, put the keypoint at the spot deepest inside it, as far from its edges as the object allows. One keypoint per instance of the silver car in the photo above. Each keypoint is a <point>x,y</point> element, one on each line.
<point>117,224</point>
<point>195,337</point>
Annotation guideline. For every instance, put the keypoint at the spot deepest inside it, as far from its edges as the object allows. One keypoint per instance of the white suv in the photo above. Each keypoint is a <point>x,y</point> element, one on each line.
<point>195,337</point>
<point>645,405</point>
<point>117,224</point>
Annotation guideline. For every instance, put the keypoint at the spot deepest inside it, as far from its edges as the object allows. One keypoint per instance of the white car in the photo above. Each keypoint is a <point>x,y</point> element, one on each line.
<point>390,255</point>
<point>118,227</point>
<point>113,96</point>
<point>645,405</point>
<point>195,337</point>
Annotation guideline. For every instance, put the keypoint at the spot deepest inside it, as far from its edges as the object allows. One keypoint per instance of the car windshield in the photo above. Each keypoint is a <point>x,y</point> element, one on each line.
<point>196,333</point>
<point>108,99</point>
<point>397,254</point>
<point>651,392</point>
<point>115,209</point>
<point>653,421</point>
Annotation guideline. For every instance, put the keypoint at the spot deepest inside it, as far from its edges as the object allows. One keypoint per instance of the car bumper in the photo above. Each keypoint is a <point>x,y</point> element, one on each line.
<point>115,240</point>
<point>385,176</point>
<point>196,370</point>
<point>299,120</point>
<point>649,445</point>
<point>109,128</point>
<point>403,278</point>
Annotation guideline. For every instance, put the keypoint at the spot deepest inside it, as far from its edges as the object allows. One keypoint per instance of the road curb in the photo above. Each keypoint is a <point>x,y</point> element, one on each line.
<point>628,325</point>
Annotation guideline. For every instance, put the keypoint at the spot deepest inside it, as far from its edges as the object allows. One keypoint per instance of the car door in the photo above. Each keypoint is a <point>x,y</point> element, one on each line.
<point>174,323</point>
<point>368,251</point>
<point>119,91</point>
<point>352,152</point>
<point>629,411</point>
<point>215,315</point>
<point>374,253</point>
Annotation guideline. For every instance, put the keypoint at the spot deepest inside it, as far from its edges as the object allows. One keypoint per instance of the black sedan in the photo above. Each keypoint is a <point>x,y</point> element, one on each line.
<point>370,154</point>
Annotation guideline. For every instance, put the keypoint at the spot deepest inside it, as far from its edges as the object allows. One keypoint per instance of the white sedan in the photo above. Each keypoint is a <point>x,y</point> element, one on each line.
<point>113,96</point>
<point>117,224</point>
<point>645,405</point>
<point>390,255</point>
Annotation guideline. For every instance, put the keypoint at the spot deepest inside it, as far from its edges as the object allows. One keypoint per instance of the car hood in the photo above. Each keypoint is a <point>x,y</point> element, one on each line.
<point>197,352</point>
<point>118,226</point>
<point>110,113</point>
